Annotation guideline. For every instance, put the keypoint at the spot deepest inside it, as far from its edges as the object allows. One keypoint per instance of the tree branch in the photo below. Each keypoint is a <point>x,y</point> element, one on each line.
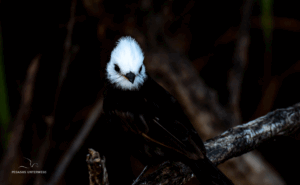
<point>44,149</point>
<point>232,143</point>
<point>97,170</point>
<point>198,100</point>
<point>77,142</point>
<point>240,59</point>
<point>19,123</point>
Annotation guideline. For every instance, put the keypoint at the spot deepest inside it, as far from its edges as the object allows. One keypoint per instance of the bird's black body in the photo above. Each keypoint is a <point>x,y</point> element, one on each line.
<point>161,129</point>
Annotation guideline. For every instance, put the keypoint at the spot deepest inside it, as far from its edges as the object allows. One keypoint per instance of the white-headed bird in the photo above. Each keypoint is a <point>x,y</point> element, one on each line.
<point>160,128</point>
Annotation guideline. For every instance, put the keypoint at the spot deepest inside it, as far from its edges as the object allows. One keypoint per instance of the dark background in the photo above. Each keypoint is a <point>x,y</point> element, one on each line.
<point>203,31</point>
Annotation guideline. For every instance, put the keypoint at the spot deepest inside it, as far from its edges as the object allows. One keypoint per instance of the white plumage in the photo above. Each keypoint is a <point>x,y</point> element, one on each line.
<point>157,123</point>
<point>128,56</point>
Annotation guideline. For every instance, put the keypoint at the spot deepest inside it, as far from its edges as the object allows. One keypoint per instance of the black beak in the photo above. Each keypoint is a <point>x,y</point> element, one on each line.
<point>130,76</point>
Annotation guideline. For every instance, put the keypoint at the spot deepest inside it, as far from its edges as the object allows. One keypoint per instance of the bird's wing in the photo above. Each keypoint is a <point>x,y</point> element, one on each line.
<point>173,128</point>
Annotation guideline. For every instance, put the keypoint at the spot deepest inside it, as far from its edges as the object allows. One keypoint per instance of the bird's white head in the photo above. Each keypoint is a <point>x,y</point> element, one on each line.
<point>125,69</point>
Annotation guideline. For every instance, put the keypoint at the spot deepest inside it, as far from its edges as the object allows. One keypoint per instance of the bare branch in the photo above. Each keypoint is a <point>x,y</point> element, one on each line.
<point>184,83</point>
<point>232,143</point>
<point>68,44</point>
<point>240,59</point>
<point>63,72</point>
<point>97,170</point>
<point>19,124</point>
<point>198,100</point>
<point>77,143</point>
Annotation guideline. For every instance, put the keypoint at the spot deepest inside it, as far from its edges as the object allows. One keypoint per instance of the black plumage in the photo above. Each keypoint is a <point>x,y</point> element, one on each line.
<point>159,126</point>
<point>162,129</point>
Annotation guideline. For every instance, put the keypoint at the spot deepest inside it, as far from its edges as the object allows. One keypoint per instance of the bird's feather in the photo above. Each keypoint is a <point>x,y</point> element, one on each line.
<point>157,123</point>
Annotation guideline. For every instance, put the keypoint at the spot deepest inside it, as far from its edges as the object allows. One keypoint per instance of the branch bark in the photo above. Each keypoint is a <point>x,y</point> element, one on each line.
<point>232,143</point>
<point>97,169</point>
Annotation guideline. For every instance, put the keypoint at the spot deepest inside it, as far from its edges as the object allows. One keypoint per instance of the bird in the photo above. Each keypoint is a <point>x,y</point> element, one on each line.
<point>155,120</point>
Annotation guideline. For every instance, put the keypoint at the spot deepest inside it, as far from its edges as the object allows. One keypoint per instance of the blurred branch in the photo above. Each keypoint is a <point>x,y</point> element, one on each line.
<point>4,101</point>
<point>199,63</point>
<point>267,22</point>
<point>199,101</point>
<point>272,89</point>
<point>269,95</point>
<point>293,69</point>
<point>240,59</point>
<point>97,170</point>
<point>77,143</point>
<point>282,23</point>
<point>44,149</point>
<point>68,44</point>
<point>19,124</point>
<point>232,143</point>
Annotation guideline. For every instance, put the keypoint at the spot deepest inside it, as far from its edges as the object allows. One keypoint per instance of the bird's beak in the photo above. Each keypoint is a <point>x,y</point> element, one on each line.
<point>130,76</point>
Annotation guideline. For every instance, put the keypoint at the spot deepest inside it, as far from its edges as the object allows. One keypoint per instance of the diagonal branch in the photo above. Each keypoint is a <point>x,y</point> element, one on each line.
<point>44,149</point>
<point>232,143</point>
<point>19,123</point>
<point>77,143</point>
<point>198,100</point>
<point>68,44</point>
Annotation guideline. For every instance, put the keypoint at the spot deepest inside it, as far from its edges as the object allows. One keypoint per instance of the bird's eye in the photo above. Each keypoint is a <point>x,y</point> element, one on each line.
<point>140,69</point>
<point>117,68</point>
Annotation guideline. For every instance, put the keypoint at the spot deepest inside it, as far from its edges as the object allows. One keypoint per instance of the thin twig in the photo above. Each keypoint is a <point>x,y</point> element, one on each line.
<point>140,175</point>
<point>68,44</point>
<point>240,59</point>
